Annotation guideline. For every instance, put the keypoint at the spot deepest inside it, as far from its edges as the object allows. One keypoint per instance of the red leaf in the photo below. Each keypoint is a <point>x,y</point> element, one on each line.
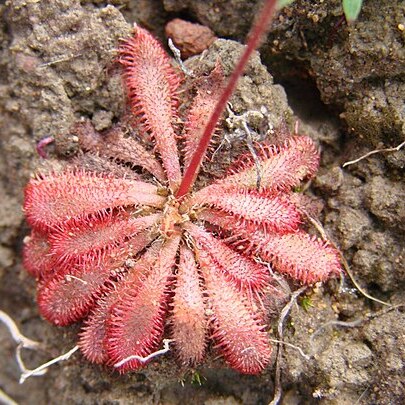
<point>208,93</point>
<point>188,322</point>
<point>70,294</point>
<point>55,198</point>
<point>85,239</point>
<point>152,85</point>
<point>238,330</point>
<point>271,212</point>
<point>37,257</point>
<point>114,144</point>
<point>282,167</point>
<point>242,271</point>
<point>137,318</point>
<point>93,337</point>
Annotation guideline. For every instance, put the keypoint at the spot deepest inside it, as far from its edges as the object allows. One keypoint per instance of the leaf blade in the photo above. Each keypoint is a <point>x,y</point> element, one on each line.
<point>352,9</point>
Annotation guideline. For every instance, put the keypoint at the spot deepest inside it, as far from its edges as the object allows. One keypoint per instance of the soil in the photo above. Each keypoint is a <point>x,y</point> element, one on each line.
<point>345,85</point>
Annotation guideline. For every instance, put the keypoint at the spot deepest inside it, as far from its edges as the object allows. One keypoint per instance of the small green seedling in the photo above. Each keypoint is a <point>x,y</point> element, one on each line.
<point>306,303</point>
<point>197,379</point>
<point>352,9</point>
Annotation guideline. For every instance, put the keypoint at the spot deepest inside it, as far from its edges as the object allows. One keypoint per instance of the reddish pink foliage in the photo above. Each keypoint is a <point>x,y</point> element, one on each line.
<point>152,89</point>
<point>208,93</point>
<point>189,310</point>
<point>131,258</point>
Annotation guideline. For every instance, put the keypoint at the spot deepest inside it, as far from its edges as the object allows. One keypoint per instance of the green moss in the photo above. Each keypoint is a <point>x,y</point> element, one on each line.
<point>306,303</point>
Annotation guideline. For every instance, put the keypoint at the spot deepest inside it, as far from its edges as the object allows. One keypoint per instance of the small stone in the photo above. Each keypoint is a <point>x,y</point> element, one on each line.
<point>6,257</point>
<point>102,120</point>
<point>191,39</point>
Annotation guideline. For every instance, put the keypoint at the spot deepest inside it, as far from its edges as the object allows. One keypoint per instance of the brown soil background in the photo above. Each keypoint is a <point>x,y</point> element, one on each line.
<point>345,83</point>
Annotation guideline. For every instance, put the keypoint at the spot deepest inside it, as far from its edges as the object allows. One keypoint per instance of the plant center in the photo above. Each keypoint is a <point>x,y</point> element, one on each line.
<point>173,217</point>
